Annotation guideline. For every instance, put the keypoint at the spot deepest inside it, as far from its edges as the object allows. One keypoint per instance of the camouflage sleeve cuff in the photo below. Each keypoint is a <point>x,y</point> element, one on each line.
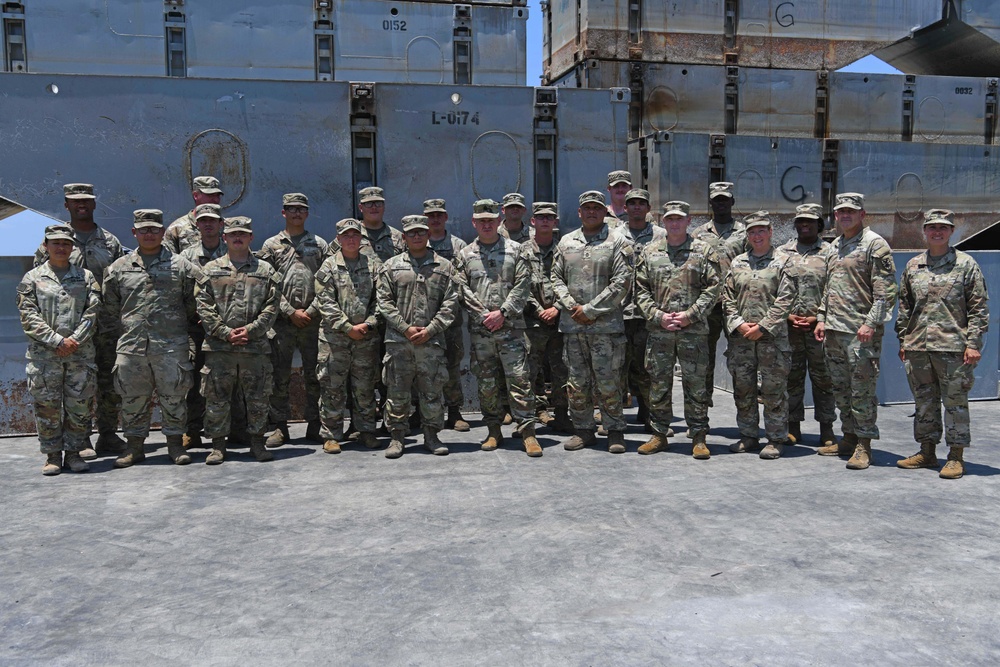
<point>434,328</point>
<point>312,311</point>
<point>974,344</point>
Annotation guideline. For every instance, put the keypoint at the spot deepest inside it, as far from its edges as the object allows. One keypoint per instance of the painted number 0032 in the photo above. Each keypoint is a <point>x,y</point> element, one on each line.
<point>963,91</point>
<point>394,25</point>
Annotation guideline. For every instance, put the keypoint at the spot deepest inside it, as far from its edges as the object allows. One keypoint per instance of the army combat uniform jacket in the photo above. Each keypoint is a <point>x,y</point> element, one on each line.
<point>53,309</point>
<point>593,272</point>
<point>677,279</point>
<point>860,283</point>
<point>417,292</point>
<point>496,277</point>
<point>230,297</point>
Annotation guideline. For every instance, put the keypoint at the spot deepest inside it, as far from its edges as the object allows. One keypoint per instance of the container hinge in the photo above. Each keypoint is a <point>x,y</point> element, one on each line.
<point>323,40</point>
<point>990,130</point>
<point>363,127</point>
<point>732,103</point>
<point>822,104</point>
<point>462,40</point>
<point>831,158</point>
<point>731,13</point>
<point>636,87</point>
<point>546,135</point>
<point>717,157</point>
<point>909,85</point>
<point>175,26</point>
<point>15,46</point>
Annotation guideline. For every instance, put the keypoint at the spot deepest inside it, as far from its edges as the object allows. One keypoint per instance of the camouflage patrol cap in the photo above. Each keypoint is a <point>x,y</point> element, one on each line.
<point>239,223</point>
<point>78,191</point>
<point>595,196</point>
<point>679,208</point>
<point>852,200</point>
<point>60,231</point>
<point>514,199</point>
<point>485,209</point>
<point>414,222</point>
<point>147,217</point>
<point>637,193</point>
<point>809,212</point>
<point>349,223</point>
<point>758,219</point>
<point>545,208</point>
<point>939,216</point>
<point>619,176</point>
<point>370,194</point>
<point>294,199</point>
<point>207,211</point>
<point>208,185</point>
<point>720,189</point>
<point>434,206</point>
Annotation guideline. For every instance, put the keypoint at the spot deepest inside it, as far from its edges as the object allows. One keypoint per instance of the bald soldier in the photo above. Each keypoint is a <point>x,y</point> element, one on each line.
<point>183,233</point>
<point>94,249</point>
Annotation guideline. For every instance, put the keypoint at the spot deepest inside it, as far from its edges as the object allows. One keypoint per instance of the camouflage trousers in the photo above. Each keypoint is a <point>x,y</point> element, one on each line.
<point>196,399</point>
<point>771,359</point>
<point>664,349</point>
<point>716,323</point>
<point>635,379</point>
<point>594,362</point>
<point>287,339</point>
<point>807,354</point>
<point>545,344</point>
<point>854,369</point>
<point>506,352</point>
<point>109,403</point>
<point>936,378</point>
<point>454,352</point>
<point>62,390</point>
<point>342,359</point>
<point>222,374</point>
<point>406,365</point>
<point>137,376</point>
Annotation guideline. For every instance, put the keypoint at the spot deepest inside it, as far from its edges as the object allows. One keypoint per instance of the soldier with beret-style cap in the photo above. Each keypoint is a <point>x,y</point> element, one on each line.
<point>94,249</point>
<point>296,254</point>
<point>59,302</point>
<point>183,232</point>
<point>149,295</point>
<point>807,258</point>
<point>514,226</point>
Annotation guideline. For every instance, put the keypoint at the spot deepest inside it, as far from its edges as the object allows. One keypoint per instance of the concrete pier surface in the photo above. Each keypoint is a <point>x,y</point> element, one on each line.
<point>576,558</point>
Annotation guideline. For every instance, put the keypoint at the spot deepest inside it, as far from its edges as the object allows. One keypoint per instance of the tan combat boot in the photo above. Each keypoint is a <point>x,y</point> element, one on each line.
<point>699,449</point>
<point>862,457</point>
<point>745,444</point>
<point>925,458</point>
<point>531,446</point>
<point>616,442</point>
<point>53,464</point>
<point>189,440</point>
<point>954,467</point>
<point>455,421</point>
<point>433,442</point>
<point>218,453</point>
<point>826,436</point>
<point>76,463</point>
<point>581,439</point>
<point>656,443</point>
<point>395,449</point>
<point>331,446</point>
<point>543,416</point>
<point>134,453</point>
<point>175,449</point>
<point>278,437</point>
<point>845,447</point>
<point>494,438</point>
<point>773,450</point>
<point>258,449</point>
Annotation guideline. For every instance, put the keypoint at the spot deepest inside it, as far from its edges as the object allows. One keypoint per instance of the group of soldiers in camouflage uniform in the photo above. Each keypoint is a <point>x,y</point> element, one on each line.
<point>606,313</point>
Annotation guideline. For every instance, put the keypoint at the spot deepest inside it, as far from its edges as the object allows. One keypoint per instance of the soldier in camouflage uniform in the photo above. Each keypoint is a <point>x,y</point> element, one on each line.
<point>237,297</point>
<point>640,232</point>
<point>619,184</point>
<point>94,248</point>
<point>757,298</point>
<point>183,233</point>
<point>512,225</point>
<point>677,285</point>
<point>494,283</point>
<point>210,246</point>
<point>807,256</point>
<point>591,272</point>
<point>348,337</point>
<point>59,302</point>
<point>150,296</point>
<point>542,320</point>
<point>417,299</point>
<point>447,245</point>
<point>296,254</point>
<point>857,302</point>
<point>943,314</point>
<point>729,237</point>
